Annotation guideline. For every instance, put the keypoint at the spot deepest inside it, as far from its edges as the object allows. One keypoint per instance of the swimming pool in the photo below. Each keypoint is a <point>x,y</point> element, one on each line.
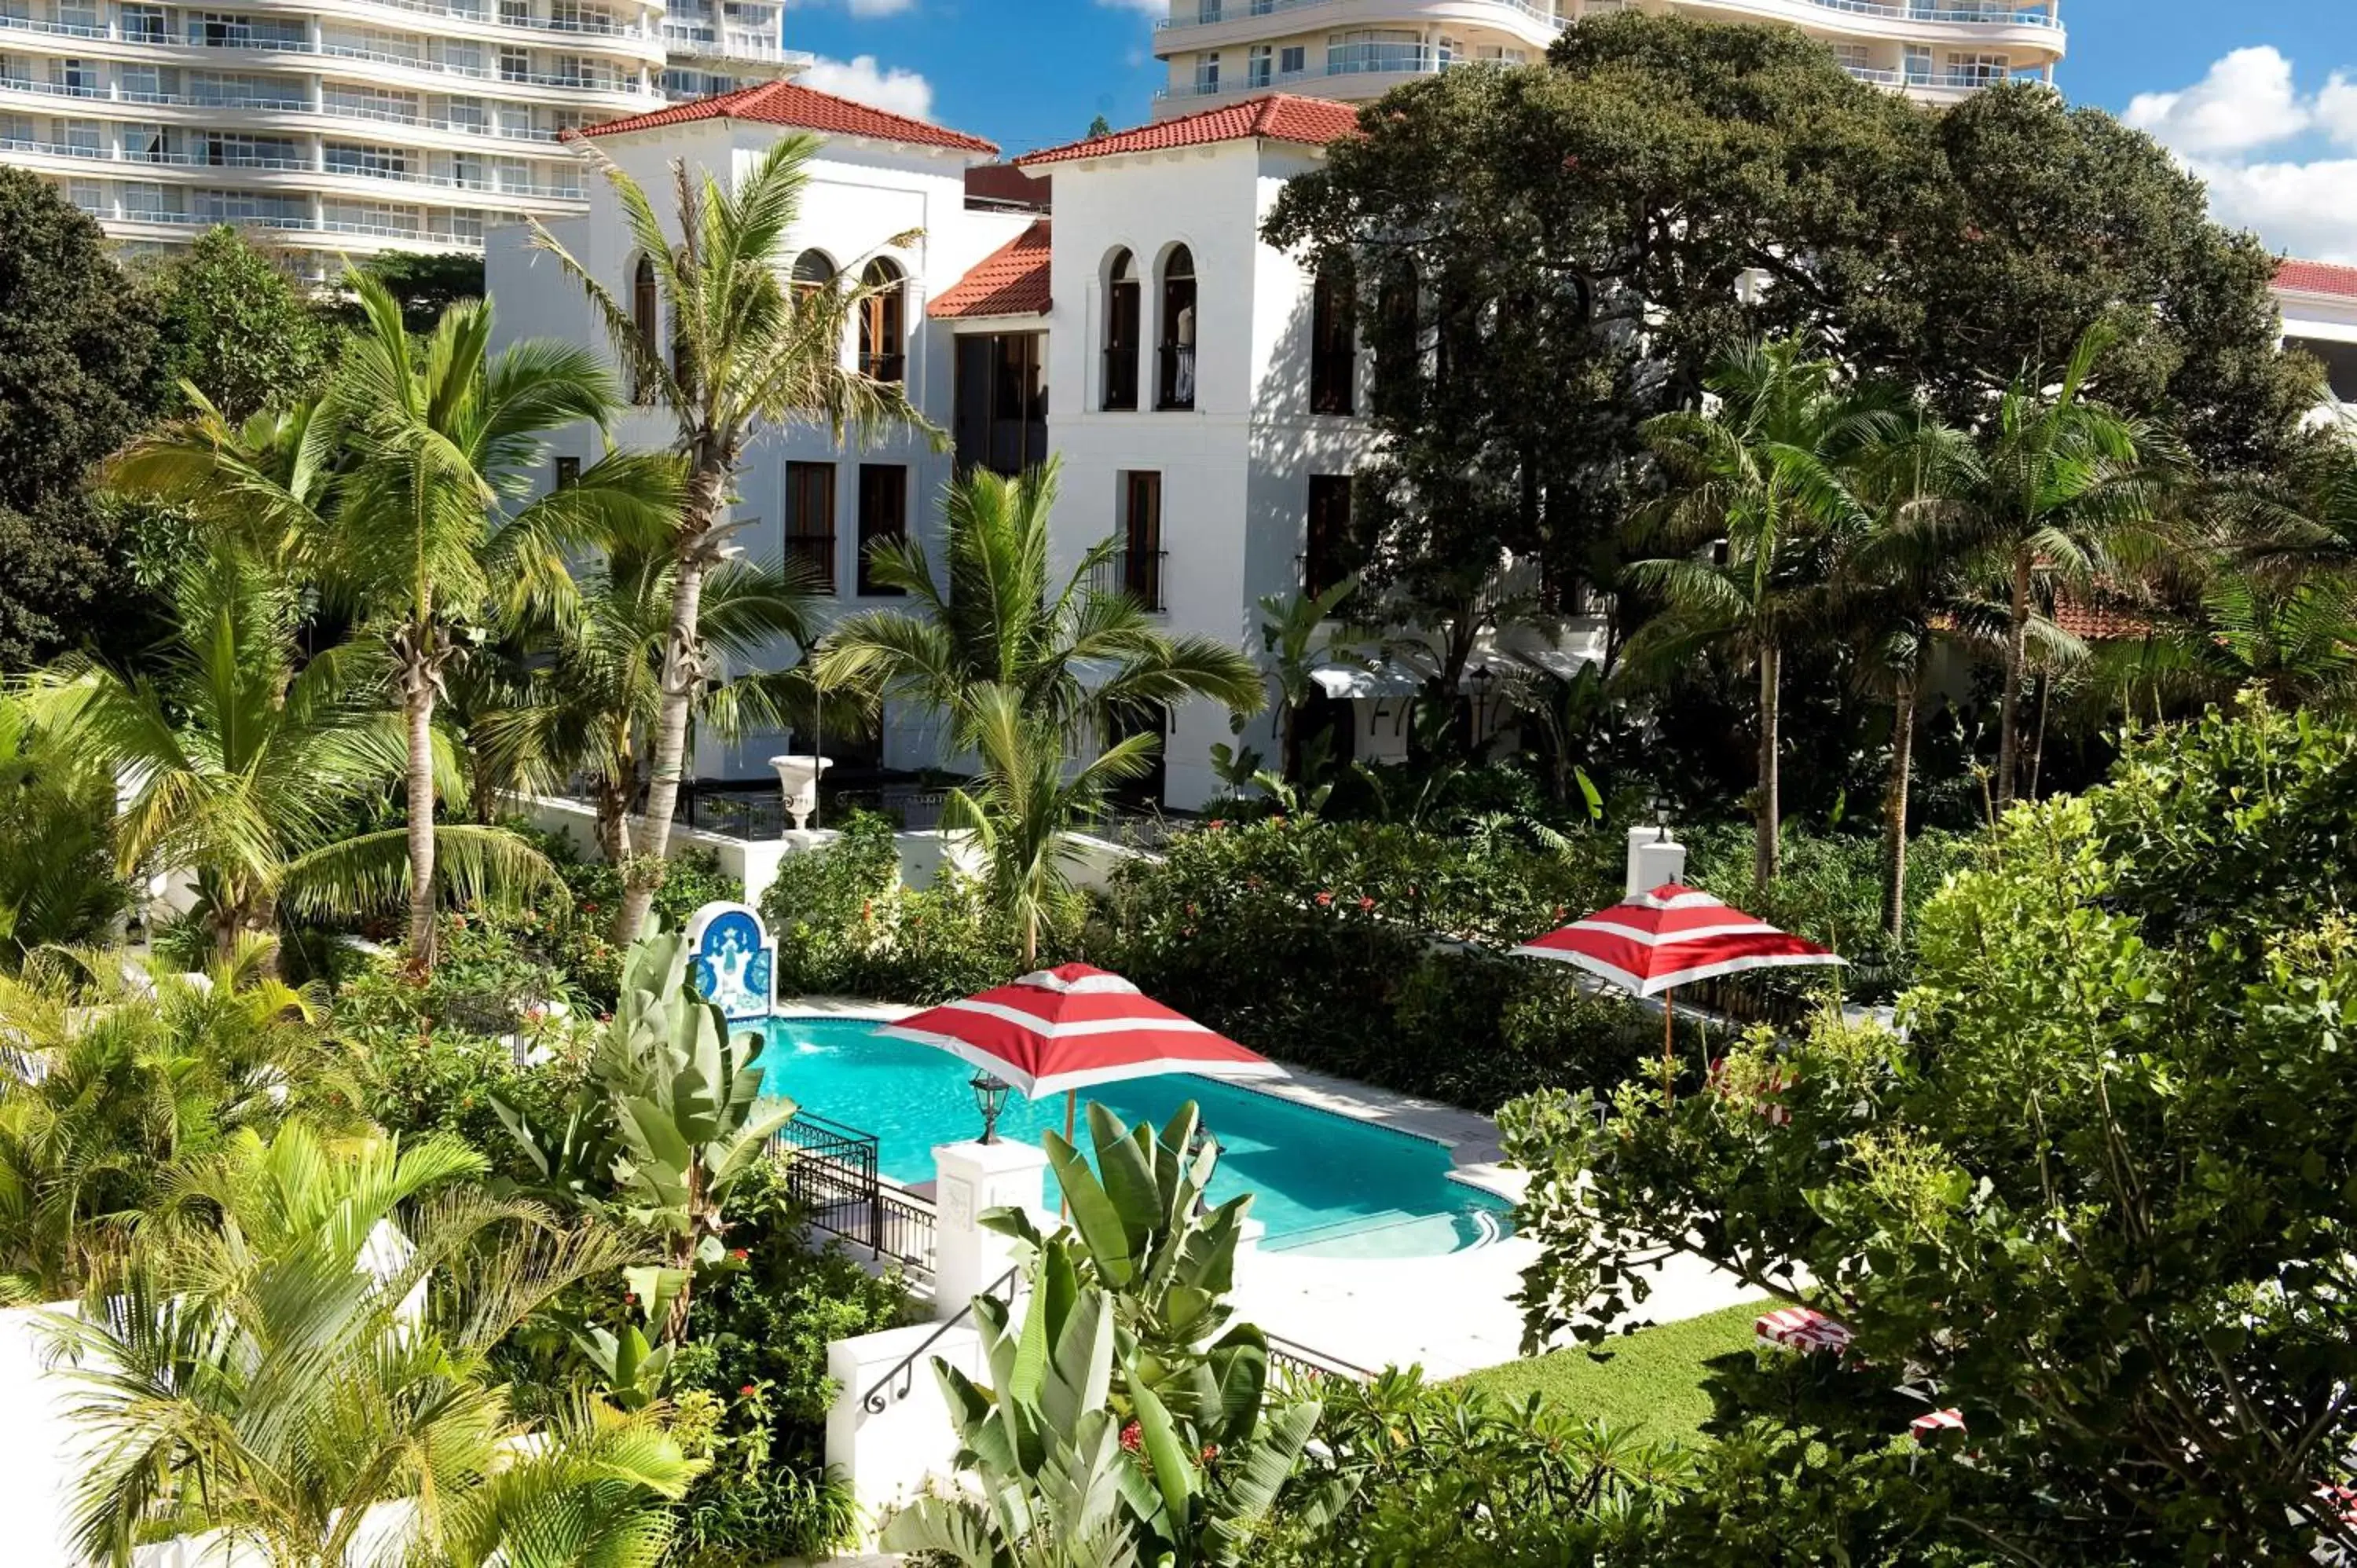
<point>1325,1186</point>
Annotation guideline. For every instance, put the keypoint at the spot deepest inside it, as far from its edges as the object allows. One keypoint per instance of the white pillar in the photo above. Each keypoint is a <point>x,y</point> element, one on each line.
<point>972,1178</point>
<point>1655,858</point>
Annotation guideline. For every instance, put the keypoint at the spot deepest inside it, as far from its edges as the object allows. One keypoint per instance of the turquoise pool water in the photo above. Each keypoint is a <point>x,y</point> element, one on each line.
<point>1324,1185</point>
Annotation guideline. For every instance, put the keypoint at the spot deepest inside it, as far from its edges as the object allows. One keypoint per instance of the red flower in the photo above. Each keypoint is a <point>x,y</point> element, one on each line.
<point>739,1253</point>
<point>1211,1452</point>
<point>1325,901</point>
<point>631,1298</point>
<point>1218,822</point>
<point>588,909</point>
<point>745,1392</point>
<point>1190,910</point>
<point>1133,1438</point>
<point>1365,903</point>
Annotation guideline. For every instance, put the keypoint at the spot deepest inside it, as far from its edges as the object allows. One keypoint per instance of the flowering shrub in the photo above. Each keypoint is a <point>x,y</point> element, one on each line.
<point>847,927</point>
<point>577,935</point>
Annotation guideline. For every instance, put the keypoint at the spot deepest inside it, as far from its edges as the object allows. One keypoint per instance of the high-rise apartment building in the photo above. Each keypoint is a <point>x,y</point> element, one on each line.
<point>350,126</point>
<point>1222,51</point>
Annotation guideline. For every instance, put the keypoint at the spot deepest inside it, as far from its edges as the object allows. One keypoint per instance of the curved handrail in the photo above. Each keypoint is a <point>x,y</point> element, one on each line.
<point>883,1396</point>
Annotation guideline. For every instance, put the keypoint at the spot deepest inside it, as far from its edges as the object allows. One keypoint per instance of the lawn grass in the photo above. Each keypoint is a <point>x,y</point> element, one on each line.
<point>1651,1385</point>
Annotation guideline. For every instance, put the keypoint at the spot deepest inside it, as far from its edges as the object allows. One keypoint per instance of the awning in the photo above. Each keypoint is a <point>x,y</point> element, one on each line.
<point>1386,678</point>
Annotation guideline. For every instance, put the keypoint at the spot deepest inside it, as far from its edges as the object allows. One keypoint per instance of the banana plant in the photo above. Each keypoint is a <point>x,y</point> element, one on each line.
<point>1062,1479</point>
<point>671,1109</point>
<point>1128,1331</point>
<point>634,1372</point>
<point>1144,1236</point>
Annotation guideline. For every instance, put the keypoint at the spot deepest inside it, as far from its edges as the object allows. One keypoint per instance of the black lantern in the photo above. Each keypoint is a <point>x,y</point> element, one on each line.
<point>989,1098</point>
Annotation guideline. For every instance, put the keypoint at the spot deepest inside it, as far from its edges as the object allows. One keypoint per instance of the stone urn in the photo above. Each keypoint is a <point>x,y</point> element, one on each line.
<point>798,777</point>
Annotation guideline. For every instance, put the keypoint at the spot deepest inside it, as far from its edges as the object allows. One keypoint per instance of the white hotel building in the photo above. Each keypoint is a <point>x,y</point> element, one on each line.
<point>348,127</point>
<point>1203,391</point>
<point>1220,50</point>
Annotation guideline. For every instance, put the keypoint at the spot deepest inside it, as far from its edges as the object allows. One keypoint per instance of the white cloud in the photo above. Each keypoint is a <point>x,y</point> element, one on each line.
<point>864,8</point>
<point>1154,8</point>
<point>2299,205</point>
<point>2336,110</point>
<point>861,78</point>
<point>2247,101</point>
<point>2302,208</point>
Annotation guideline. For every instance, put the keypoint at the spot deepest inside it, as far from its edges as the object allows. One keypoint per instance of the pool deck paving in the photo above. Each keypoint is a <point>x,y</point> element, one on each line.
<point>1451,1314</point>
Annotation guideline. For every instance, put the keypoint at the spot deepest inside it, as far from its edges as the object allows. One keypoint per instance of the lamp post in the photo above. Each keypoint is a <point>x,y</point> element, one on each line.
<point>989,1098</point>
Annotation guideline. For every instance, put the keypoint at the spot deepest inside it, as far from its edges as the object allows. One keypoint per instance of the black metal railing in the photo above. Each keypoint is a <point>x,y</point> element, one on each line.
<point>1174,386</point>
<point>1121,377</point>
<point>831,1172</point>
<point>897,1384</point>
<point>883,367</point>
<point>815,552</point>
<point>1304,1362</point>
<point>1138,572</point>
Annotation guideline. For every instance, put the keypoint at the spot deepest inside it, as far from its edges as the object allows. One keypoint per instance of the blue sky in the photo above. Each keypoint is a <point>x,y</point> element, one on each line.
<point>2258,96</point>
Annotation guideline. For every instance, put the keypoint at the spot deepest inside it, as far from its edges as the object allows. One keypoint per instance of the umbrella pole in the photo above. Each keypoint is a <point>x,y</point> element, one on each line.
<point>1669,1049</point>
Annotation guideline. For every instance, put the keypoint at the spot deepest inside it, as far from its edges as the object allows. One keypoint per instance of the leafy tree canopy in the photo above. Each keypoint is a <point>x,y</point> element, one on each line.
<point>1548,255</point>
<point>426,286</point>
<point>237,327</point>
<point>2096,1199</point>
<point>77,376</point>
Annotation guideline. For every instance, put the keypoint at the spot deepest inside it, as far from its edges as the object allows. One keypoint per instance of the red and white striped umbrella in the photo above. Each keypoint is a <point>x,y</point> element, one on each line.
<point>1926,1427</point>
<point>1801,1329</point>
<point>1651,943</point>
<point>1057,1030</point>
<point>1673,936</point>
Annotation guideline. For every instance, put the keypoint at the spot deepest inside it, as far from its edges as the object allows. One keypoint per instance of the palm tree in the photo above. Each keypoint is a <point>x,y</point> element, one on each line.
<point>1083,659</point>
<point>1026,801</point>
<point>745,350</point>
<point>594,695</point>
<point>252,766</point>
<point>2295,642</point>
<point>297,1356</point>
<point>1759,484</point>
<point>1291,650</point>
<point>2060,491</point>
<point>115,1077</point>
<point>391,497</point>
<point>58,881</point>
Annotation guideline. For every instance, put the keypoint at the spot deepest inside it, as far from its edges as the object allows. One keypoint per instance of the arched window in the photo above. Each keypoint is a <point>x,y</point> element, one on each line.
<point>1333,344</point>
<point>1174,382</point>
<point>812,269</point>
<point>883,322</point>
<point>646,320</point>
<point>1124,331</point>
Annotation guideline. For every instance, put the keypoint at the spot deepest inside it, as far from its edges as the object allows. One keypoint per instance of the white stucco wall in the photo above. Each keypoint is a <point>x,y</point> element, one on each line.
<point>861,198</point>
<point>1235,468</point>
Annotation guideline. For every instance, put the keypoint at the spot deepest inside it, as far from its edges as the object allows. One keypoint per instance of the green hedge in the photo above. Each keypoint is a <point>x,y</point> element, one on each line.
<point>1372,950</point>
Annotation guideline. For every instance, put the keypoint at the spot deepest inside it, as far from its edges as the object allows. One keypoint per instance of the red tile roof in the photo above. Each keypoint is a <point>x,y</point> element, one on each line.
<point>2099,623</point>
<point>1010,281</point>
<point>2317,277</point>
<point>786,103</point>
<point>1281,117</point>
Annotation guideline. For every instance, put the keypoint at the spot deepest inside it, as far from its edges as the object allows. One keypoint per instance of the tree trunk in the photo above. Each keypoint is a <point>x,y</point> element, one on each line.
<point>683,670</point>
<point>257,917</point>
<point>1767,844</point>
<point>2016,658</point>
<point>418,701</point>
<point>1894,812</point>
<point>2037,744</point>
